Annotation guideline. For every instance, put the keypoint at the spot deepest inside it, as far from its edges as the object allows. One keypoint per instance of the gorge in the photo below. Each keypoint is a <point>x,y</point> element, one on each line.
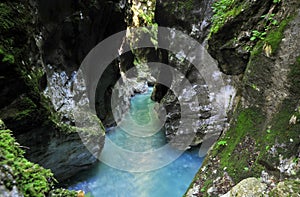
<point>252,47</point>
<point>172,179</point>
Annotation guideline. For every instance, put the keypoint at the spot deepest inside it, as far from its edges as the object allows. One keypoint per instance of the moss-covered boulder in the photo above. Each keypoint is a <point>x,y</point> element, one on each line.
<point>20,177</point>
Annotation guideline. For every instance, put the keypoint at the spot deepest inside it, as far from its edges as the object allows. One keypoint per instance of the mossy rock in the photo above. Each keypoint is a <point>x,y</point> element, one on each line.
<point>286,188</point>
<point>62,193</point>
<point>31,179</point>
<point>21,114</point>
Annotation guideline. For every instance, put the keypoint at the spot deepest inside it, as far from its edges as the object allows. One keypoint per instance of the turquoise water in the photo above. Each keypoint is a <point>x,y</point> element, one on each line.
<point>140,131</point>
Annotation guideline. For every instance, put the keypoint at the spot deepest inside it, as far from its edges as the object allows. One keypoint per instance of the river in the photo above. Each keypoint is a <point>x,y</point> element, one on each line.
<point>171,180</point>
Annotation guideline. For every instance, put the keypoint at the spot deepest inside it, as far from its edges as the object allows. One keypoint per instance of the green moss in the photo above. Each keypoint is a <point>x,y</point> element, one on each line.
<point>251,123</point>
<point>236,162</point>
<point>257,49</point>
<point>62,193</point>
<point>25,107</point>
<point>31,179</point>
<point>234,156</point>
<point>274,37</point>
<point>20,109</point>
<point>282,131</point>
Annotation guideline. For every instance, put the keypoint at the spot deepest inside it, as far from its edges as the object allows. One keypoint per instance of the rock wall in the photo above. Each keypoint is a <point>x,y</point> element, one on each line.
<point>263,138</point>
<point>194,19</point>
<point>50,39</point>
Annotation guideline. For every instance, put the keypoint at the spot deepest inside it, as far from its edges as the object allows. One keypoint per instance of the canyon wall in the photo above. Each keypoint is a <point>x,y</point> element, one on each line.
<point>259,152</point>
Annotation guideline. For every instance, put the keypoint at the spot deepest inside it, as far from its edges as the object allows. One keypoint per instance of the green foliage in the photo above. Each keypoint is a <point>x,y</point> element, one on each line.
<point>224,9</point>
<point>31,179</point>
<point>219,9</point>
<point>222,143</point>
<point>152,31</point>
<point>276,1</point>
<point>9,58</point>
<point>258,35</point>
<point>270,19</point>
<point>146,13</point>
<point>272,37</point>
<point>180,8</point>
<point>148,18</point>
<point>6,22</point>
<point>271,33</point>
<point>254,87</point>
<point>275,36</point>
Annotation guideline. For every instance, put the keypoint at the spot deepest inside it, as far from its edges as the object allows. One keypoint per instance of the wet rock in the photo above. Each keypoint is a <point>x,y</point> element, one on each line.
<point>10,193</point>
<point>64,153</point>
<point>8,182</point>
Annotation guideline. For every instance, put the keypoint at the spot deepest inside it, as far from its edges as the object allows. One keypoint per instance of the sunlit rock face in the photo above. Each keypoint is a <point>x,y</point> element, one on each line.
<point>129,73</point>
<point>67,37</point>
<point>193,18</point>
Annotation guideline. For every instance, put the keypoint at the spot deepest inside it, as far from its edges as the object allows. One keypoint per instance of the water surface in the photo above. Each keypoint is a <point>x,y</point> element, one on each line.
<point>137,134</point>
